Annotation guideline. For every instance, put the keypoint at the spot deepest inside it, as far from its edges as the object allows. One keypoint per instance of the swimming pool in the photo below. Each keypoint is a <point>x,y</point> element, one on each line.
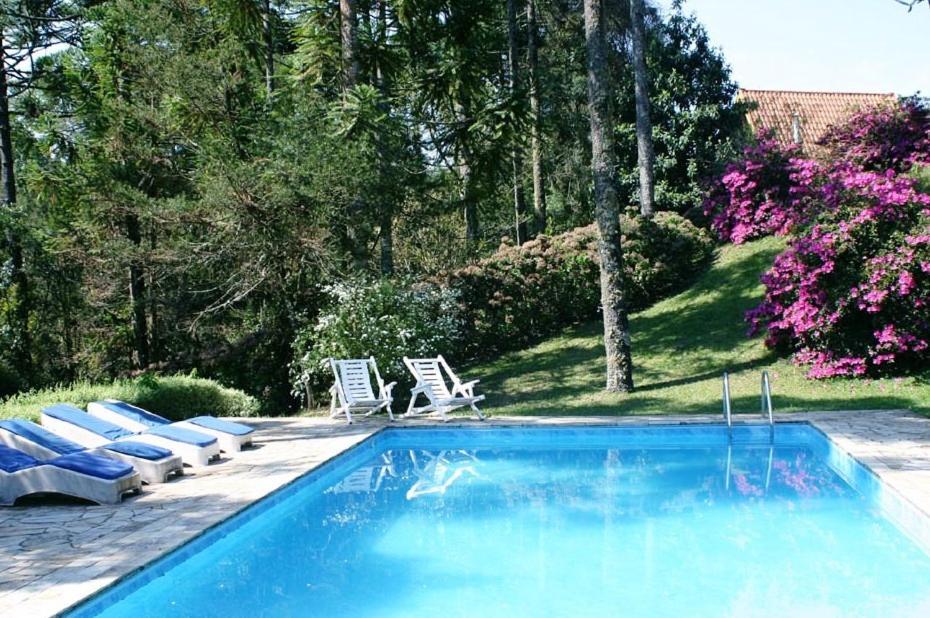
<point>598,521</point>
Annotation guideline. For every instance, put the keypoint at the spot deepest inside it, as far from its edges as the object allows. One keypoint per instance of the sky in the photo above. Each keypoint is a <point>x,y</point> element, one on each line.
<point>829,45</point>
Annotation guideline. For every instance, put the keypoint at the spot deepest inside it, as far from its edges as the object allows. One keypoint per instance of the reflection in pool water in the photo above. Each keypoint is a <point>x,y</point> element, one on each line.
<point>559,530</point>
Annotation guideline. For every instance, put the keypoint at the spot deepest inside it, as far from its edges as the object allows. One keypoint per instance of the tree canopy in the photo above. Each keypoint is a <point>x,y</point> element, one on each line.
<point>191,175</point>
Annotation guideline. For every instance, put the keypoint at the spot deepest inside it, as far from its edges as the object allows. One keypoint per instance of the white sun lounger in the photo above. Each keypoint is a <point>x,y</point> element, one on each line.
<point>432,385</point>
<point>153,463</point>
<point>81,475</point>
<point>232,437</point>
<point>195,449</point>
<point>352,390</point>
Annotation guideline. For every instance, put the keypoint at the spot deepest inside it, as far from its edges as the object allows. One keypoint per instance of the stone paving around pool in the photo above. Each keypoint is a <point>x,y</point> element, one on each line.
<point>54,554</point>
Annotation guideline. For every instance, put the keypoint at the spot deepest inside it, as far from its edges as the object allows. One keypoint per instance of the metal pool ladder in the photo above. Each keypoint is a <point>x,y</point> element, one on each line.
<point>767,404</point>
<point>766,401</point>
<point>727,411</point>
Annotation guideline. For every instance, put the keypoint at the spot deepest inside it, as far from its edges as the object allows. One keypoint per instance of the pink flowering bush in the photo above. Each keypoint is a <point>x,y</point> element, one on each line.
<point>762,193</point>
<point>850,294</point>
<point>889,137</point>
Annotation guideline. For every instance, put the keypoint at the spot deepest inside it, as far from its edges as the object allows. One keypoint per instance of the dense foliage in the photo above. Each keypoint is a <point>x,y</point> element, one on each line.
<point>697,126</point>
<point>175,397</point>
<point>387,320</point>
<point>510,299</point>
<point>891,137</point>
<point>193,175</point>
<point>850,295</point>
<point>521,294</point>
<point>760,193</point>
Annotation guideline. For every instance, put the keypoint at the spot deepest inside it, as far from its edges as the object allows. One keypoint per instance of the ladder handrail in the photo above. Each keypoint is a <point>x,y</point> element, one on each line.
<point>727,410</point>
<point>767,402</point>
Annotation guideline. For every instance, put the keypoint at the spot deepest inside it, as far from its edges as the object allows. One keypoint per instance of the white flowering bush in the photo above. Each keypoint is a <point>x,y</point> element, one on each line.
<point>387,320</point>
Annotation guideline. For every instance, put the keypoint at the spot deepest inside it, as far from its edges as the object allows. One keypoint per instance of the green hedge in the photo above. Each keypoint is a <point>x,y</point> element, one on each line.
<point>521,294</point>
<point>175,397</point>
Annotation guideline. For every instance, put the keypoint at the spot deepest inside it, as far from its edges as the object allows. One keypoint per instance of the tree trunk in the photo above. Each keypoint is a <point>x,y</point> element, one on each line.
<point>268,40</point>
<point>140,333</point>
<point>519,200</point>
<point>613,302</point>
<point>155,344</point>
<point>466,173</point>
<point>19,298</point>
<point>387,210</point>
<point>356,235</point>
<point>469,201</point>
<point>387,243</point>
<point>532,60</point>
<point>348,29</point>
<point>645,152</point>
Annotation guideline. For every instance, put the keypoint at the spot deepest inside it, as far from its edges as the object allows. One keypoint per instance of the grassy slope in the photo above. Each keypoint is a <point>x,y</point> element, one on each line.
<point>681,346</point>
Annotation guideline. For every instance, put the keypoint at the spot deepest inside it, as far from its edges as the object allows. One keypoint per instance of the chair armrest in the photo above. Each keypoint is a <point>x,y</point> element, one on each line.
<point>466,388</point>
<point>422,388</point>
<point>386,388</point>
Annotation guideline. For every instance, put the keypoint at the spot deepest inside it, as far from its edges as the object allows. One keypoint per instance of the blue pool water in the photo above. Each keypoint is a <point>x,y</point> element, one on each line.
<point>556,522</point>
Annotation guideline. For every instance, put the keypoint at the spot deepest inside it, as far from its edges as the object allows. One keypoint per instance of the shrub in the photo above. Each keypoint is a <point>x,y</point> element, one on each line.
<point>10,381</point>
<point>503,302</point>
<point>175,397</point>
<point>887,137</point>
<point>521,294</point>
<point>760,194</point>
<point>381,319</point>
<point>850,294</point>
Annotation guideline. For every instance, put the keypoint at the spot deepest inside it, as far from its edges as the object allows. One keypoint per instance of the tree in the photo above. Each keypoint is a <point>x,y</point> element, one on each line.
<point>386,210</point>
<point>26,30</point>
<point>348,31</point>
<point>454,46</point>
<point>613,303</point>
<point>519,200</point>
<point>532,62</point>
<point>645,153</point>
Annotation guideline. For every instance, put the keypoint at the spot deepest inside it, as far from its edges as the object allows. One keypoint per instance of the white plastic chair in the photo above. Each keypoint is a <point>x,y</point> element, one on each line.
<point>432,385</point>
<point>352,390</point>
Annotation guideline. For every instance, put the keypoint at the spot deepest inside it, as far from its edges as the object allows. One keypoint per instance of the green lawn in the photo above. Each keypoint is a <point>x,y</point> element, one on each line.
<point>681,346</point>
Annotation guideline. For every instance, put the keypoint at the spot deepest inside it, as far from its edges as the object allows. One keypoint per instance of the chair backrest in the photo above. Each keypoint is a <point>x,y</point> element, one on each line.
<point>429,371</point>
<point>354,377</point>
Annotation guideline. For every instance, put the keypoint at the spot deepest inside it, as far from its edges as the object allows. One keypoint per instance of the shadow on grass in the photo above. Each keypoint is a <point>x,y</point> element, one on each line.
<point>707,318</point>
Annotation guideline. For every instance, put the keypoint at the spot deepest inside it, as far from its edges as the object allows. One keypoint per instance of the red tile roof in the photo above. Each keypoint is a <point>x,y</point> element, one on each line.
<point>811,112</point>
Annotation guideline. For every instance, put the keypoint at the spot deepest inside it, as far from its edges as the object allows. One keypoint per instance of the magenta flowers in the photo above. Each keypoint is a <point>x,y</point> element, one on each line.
<point>759,195</point>
<point>850,296</point>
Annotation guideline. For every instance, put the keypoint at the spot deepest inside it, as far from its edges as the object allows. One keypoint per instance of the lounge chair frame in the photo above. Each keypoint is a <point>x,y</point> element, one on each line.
<point>440,398</point>
<point>229,443</point>
<point>191,454</point>
<point>46,478</point>
<point>150,471</point>
<point>352,390</point>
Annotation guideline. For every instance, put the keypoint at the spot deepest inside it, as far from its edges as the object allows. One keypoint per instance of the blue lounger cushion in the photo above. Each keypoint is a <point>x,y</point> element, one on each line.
<point>179,434</point>
<point>13,460</point>
<point>139,449</point>
<point>135,413</point>
<point>76,416</point>
<point>41,436</point>
<point>93,465</point>
<point>151,419</point>
<point>211,422</point>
